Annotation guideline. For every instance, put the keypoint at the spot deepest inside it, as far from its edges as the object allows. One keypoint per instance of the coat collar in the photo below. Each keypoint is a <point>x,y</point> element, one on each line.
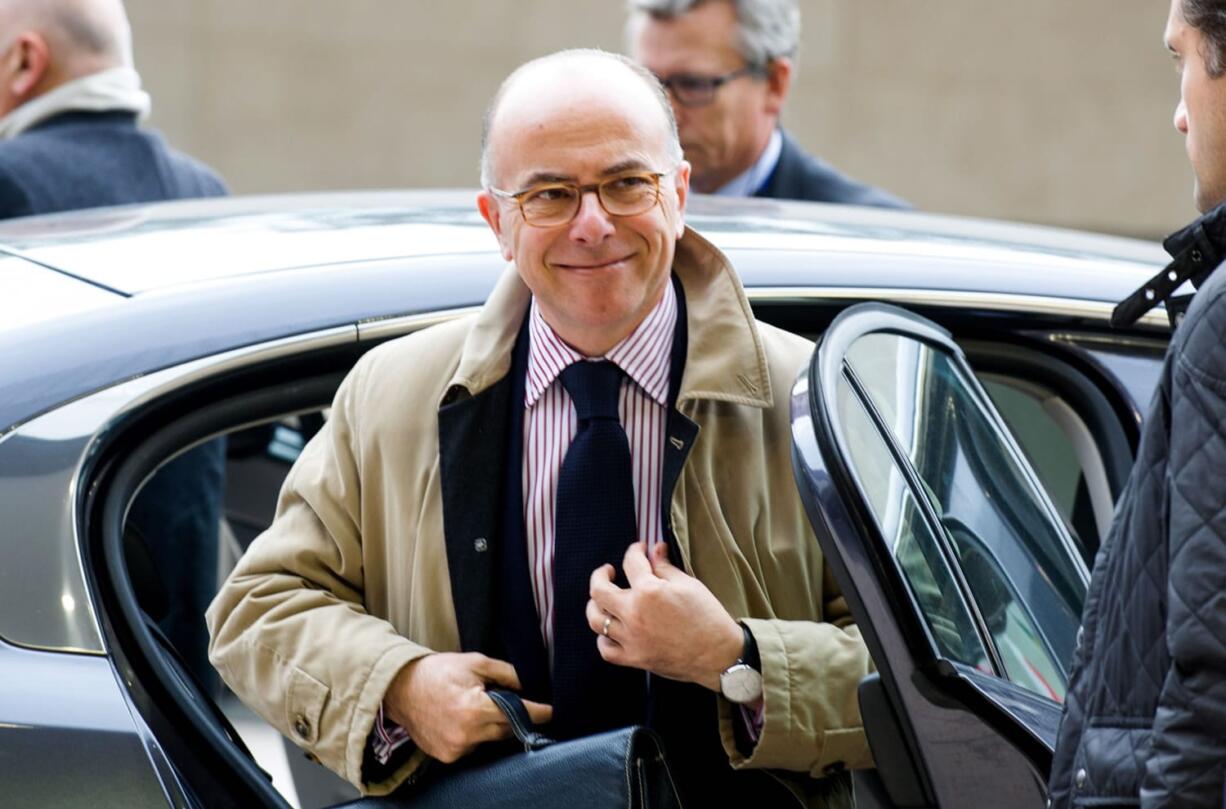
<point>1196,251</point>
<point>725,360</point>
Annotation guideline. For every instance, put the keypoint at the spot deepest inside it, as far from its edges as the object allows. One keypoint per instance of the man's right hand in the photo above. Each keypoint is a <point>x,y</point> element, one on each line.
<point>440,700</point>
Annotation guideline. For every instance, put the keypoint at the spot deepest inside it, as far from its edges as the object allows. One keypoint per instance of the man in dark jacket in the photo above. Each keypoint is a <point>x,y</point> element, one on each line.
<point>727,65</point>
<point>1145,714</point>
<point>70,102</point>
<point>69,108</point>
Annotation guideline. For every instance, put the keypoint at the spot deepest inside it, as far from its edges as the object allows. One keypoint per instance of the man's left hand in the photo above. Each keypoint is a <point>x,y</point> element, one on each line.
<point>666,621</point>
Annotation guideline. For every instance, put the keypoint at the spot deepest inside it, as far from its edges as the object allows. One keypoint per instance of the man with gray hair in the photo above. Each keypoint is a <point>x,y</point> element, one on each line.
<point>728,66</point>
<point>70,102</point>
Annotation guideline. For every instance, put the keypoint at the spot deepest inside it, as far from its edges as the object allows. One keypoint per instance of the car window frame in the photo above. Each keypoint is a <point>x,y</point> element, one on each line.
<point>927,692</point>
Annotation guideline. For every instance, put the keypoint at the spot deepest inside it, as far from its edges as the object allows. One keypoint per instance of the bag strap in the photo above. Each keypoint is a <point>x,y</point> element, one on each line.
<point>521,724</point>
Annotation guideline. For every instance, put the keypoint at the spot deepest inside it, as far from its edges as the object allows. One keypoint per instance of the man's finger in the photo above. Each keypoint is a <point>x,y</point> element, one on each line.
<point>538,712</point>
<point>595,616</point>
<point>494,671</point>
<point>601,581</point>
<point>661,566</point>
<point>607,595</point>
<point>636,565</point>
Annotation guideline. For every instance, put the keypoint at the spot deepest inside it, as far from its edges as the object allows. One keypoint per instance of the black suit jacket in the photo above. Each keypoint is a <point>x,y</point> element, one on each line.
<point>88,159</point>
<point>800,175</point>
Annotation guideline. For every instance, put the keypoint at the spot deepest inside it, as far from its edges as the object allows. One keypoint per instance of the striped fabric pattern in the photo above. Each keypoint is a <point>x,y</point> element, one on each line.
<point>550,425</point>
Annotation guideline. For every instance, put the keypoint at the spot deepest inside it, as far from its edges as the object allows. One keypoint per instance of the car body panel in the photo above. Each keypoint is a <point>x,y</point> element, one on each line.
<point>33,294</point>
<point>66,732</point>
<point>44,598</point>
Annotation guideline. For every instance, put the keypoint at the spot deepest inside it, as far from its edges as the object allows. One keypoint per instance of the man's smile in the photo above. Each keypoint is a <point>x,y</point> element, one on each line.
<point>608,264</point>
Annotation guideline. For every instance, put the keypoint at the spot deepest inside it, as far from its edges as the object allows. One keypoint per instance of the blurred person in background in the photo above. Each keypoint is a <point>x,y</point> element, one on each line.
<point>70,106</point>
<point>1145,714</point>
<point>727,65</point>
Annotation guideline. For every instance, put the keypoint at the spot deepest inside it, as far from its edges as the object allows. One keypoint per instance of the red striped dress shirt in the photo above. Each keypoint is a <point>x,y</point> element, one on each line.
<point>550,425</point>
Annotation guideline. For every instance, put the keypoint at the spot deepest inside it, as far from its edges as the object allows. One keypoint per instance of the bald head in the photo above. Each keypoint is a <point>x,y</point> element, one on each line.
<point>82,36</point>
<point>572,81</point>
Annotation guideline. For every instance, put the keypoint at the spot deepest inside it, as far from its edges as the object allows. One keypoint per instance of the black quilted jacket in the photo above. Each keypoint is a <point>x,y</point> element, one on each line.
<point>1145,715</point>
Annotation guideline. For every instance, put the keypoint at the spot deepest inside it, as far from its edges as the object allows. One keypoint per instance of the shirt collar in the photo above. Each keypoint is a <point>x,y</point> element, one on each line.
<point>108,90</point>
<point>748,182</point>
<point>644,355</point>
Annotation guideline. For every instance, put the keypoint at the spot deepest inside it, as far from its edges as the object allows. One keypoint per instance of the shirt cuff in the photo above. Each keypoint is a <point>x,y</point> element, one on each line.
<point>387,736</point>
<point>752,717</point>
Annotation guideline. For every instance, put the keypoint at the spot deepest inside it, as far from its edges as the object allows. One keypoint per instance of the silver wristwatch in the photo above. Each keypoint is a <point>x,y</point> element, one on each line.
<point>742,682</point>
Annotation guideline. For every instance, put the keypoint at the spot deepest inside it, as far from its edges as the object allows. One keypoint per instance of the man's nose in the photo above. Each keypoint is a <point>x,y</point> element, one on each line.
<point>1181,117</point>
<point>592,223</point>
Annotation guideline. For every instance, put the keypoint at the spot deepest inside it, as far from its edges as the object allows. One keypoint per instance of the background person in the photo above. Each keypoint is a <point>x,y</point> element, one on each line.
<point>70,102</point>
<point>538,496</point>
<point>1145,713</point>
<point>727,65</point>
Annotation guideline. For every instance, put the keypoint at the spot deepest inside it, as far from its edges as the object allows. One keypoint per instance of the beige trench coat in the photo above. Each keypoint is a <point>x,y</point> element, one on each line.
<point>350,582</point>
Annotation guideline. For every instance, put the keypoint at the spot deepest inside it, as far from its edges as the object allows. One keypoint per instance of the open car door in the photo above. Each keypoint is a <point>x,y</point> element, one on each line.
<point>964,580</point>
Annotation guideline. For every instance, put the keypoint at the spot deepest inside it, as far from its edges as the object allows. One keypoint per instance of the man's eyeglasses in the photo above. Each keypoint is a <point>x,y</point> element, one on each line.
<point>699,91</point>
<point>551,204</point>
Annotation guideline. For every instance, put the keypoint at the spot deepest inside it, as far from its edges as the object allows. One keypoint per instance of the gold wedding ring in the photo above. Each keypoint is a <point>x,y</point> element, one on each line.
<point>608,619</point>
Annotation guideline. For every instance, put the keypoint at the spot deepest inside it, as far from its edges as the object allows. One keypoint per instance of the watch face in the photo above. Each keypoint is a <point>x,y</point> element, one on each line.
<point>740,684</point>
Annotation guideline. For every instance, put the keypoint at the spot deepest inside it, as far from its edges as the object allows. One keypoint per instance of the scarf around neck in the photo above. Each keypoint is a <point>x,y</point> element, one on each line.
<point>115,90</point>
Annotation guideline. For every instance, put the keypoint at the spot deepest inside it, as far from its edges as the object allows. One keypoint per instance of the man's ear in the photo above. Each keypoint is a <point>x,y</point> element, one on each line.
<point>681,184</point>
<point>492,214</point>
<point>31,58</point>
<point>778,82</point>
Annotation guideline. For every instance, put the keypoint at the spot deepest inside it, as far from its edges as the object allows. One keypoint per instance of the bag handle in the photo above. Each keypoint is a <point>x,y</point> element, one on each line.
<point>521,724</point>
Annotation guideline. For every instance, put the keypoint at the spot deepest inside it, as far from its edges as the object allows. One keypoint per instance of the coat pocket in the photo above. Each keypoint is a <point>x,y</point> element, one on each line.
<point>1110,762</point>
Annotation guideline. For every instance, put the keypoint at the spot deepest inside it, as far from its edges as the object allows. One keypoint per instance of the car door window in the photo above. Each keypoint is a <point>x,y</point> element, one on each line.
<point>960,572</point>
<point>918,551</point>
<point>990,512</point>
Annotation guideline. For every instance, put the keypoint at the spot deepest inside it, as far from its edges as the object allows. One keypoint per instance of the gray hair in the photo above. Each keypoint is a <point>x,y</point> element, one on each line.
<point>653,84</point>
<point>766,29</point>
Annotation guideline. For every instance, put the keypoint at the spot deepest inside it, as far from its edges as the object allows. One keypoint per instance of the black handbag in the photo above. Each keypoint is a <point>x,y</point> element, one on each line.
<point>620,768</point>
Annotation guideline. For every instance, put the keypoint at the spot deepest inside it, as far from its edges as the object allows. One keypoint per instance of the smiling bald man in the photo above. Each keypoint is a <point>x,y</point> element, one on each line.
<point>583,493</point>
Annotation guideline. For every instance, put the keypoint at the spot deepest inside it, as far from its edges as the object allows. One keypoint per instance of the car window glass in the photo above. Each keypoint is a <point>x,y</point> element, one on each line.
<point>1019,565</point>
<point>908,536</point>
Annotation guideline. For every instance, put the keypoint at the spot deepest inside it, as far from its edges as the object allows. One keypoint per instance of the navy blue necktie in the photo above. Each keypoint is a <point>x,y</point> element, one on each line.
<point>593,525</point>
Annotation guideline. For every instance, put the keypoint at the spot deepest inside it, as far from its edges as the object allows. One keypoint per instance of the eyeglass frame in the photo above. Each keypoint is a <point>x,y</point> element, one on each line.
<point>580,190</point>
<point>710,84</point>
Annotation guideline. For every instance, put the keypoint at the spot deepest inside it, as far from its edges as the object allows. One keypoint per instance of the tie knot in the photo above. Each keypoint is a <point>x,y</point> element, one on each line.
<point>593,387</point>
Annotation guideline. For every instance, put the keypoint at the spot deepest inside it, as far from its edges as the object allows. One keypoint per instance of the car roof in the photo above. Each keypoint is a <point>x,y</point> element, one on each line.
<point>140,248</point>
<point>110,293</point>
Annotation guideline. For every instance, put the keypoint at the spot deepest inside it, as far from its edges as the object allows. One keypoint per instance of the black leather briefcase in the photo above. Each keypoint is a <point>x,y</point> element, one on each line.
<point>622,769</point>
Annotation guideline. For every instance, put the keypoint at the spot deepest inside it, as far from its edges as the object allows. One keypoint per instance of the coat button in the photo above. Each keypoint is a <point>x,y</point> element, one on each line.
<point>1080,778</point>
<point>480,545</point>
<point>301,726</point>
<point>1196,256</point>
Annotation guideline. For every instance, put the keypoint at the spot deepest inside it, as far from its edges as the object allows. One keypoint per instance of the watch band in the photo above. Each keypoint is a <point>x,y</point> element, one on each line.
<point>749,652</point>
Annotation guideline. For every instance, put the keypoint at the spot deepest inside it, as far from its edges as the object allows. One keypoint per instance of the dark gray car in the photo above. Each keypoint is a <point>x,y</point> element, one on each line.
<point>130,334</point>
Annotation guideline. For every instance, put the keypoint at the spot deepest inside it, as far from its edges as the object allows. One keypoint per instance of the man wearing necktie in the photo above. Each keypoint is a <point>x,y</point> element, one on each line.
<point>584,492</point>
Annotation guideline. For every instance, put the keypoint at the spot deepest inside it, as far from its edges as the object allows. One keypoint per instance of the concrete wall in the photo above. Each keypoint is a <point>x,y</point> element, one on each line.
<point>1045,111</point>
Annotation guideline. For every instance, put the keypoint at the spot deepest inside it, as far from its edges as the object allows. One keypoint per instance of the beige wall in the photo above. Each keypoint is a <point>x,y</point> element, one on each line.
<point>1052,111</point>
